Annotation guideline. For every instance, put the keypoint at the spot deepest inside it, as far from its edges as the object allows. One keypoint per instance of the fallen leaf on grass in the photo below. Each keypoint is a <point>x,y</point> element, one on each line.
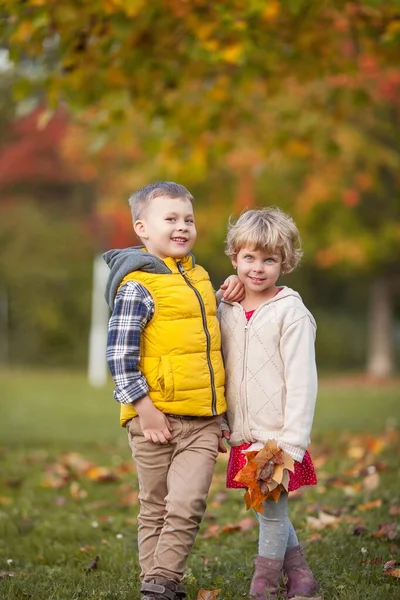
<point>128,499</point>
<point>386,530</point>
<point>13,483</point>
<point>76,463</point>
<point>230,528</point>
<point>356,452</point>
<point>105,518</point>
<point>8,574</point>
<point>314,537</point>
<point>353,520</point>
<point>73,466</point>
<point>370,505</point>
<point>220,497</point>
<point>323,520</point>
<point>210,517</point>
<point>86,548</point>
<point>102,474</point>
<point>351,490</point>
<point>319,461</point>
<point>212,531</point>
<point>247,524</point>
<point>376,560</point>
<point>93,564</point>
<point>125,467</point>
<point>54,481</point>
<point>207,594</point>
<point>394,510</point>
<point>371,481</point>
<point>392,568</point>
<point>76,491</point>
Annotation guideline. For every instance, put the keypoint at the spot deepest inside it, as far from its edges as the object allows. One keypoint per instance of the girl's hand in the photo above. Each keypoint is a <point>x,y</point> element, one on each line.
<point>233,289</point>
<point>225,435</point>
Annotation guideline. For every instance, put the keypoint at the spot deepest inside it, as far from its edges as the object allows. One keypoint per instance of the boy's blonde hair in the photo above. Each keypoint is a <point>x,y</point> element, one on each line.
<point>268,229</point>
<point>141,200</point>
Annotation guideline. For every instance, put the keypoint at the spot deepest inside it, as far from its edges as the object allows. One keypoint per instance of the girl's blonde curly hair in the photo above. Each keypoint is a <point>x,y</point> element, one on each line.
<point>268,229</point>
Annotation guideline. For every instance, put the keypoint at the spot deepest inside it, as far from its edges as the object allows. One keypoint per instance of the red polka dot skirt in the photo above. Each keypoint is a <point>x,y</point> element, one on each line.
<point>304,472</point>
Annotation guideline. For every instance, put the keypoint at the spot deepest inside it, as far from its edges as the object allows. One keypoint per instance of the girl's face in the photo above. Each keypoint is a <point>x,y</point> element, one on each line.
<point>258,271</point>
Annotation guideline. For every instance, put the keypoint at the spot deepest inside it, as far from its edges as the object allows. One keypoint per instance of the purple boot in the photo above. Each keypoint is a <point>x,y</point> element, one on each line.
<point>266,578</point>
<point>300,580</point>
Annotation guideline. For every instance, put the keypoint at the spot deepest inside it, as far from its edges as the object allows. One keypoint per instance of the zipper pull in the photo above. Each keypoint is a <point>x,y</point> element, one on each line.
<point>180,267</point>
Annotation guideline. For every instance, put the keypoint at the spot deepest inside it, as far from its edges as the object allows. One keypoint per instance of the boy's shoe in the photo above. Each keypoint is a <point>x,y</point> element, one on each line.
<point>160,589</point>
<point>300,580</point>
<point>180,592</point>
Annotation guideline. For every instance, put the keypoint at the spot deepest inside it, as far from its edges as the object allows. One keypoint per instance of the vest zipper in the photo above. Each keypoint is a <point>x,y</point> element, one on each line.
<point>207,333</point>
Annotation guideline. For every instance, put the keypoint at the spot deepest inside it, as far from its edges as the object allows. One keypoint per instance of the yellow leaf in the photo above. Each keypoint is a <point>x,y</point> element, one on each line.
<point>369,505</point>
<point>392,568</point>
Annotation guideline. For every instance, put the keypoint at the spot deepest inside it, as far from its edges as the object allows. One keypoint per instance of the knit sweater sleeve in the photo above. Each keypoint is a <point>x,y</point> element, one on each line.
<point>297,348</point>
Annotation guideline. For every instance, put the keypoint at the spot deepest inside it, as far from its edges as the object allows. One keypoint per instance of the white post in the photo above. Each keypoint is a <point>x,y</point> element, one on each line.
<point>3,329</point>
<point>97,371</point>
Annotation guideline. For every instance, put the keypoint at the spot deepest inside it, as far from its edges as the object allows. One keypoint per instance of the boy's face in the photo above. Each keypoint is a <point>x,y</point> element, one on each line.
<point>167,227</point>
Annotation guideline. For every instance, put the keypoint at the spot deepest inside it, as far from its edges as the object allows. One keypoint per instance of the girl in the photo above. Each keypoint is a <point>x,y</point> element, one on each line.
<point>271,384</point>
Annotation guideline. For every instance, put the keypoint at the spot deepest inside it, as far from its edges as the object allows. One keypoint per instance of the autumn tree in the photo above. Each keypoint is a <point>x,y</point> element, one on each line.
<point>306,92</point>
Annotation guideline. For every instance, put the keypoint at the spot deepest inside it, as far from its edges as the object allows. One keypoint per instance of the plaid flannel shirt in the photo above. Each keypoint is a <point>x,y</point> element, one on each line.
<point>133,309</point>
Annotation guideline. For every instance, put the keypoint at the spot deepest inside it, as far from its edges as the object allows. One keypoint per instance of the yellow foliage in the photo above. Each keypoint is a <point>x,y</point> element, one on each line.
<point>232,53</point>
<point>130,7</point>
<point>23,32</point>
<point>297,148</point>
<point>343,251</point>
<point>272,10</point>
<point>210,45</point>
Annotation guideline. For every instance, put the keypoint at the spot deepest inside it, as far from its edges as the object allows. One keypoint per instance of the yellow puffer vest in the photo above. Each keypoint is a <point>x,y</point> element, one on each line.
<point>180,348</point>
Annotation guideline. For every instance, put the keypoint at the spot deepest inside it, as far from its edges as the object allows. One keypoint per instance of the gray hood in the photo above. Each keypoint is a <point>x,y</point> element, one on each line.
<point>125,261</point>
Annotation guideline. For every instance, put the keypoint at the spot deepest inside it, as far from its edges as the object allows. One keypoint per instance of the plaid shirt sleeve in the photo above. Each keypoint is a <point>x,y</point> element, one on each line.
<point>133,309</point>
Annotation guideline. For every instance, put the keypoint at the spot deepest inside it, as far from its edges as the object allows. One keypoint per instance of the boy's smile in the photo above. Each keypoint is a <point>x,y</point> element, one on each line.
<point>167,228</point>
<point>258,271</point>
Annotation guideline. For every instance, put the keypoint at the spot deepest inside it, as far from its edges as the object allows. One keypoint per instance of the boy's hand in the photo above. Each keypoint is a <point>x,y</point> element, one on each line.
<point>225,435</point>
<point>233,289</point>
<point>154,424</point>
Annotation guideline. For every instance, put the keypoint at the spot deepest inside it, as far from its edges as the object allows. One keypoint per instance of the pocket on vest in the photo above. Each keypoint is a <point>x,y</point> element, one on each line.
<point>166,378</point>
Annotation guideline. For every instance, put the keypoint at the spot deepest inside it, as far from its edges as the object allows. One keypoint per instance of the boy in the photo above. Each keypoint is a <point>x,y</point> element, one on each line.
<point>164,355</point>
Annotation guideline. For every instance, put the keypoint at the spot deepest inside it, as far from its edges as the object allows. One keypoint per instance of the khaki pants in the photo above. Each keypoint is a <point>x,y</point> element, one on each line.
<point>174,480</point>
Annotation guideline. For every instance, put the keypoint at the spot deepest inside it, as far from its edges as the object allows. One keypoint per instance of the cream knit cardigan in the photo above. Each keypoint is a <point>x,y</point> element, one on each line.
<point>271,376</point>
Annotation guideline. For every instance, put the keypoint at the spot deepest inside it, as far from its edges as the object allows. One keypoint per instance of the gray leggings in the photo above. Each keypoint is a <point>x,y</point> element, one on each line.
<point>276,532</point>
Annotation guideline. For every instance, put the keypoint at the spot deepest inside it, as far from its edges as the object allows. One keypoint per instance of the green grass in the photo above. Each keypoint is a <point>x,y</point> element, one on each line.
<point>52,533</point>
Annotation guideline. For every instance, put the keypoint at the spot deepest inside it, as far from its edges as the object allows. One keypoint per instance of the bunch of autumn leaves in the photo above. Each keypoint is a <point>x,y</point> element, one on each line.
<point>266,475</point>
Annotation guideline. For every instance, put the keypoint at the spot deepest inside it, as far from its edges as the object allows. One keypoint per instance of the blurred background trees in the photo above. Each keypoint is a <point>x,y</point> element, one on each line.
<point>248,104</point>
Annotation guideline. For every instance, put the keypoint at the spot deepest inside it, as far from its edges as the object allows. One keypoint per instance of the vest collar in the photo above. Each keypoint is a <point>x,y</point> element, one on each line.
<point>187,263</point>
